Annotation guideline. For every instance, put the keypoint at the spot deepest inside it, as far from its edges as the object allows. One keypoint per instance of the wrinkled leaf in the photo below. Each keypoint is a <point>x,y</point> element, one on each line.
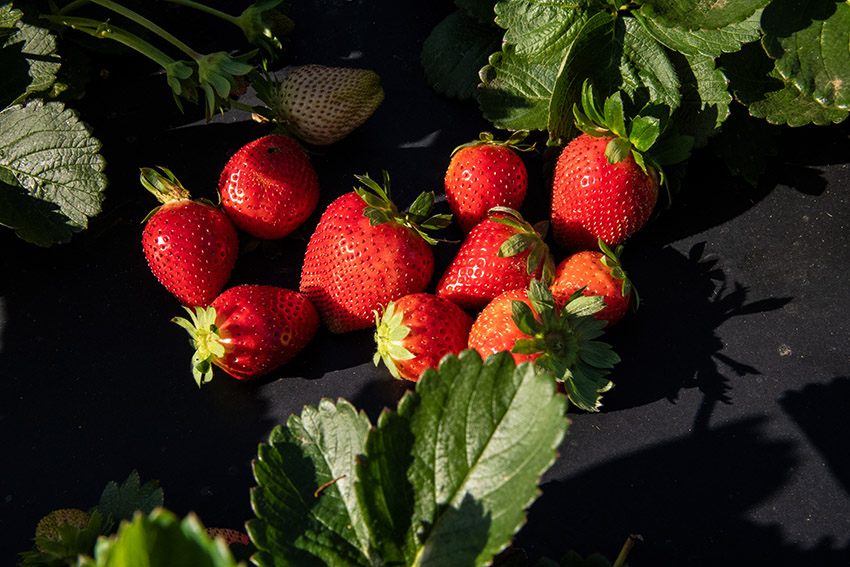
<point>700,14</point>
<point>712,42</point>
<point>705,97</point>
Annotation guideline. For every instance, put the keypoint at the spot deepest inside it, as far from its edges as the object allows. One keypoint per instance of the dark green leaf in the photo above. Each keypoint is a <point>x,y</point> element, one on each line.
<point>455,50</point>
<point>705,97</point>
<point>121,502</point>
<point>36,221</point>
<point>29,47</point>
<point>422,205</point>
<point>712,42</point>
<point>524,318</point>
<point>699,14</point>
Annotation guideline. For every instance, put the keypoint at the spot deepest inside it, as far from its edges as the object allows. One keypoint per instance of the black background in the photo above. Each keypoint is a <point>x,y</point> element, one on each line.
<point>724,441</point>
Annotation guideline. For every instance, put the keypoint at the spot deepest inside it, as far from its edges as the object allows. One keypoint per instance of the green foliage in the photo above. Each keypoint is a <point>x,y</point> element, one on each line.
<point>120,502</point>
<point>444,480</point>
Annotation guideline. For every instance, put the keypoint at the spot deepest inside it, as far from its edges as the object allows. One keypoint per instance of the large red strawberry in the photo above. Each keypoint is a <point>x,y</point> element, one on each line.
<point>364,253</point>
<point>502,252</point>
<point>528,324</point>
<point>416,331</point>
<point>596,273</point>
<point>269,187</point>
<point>190,245</point>
<point>484,174</point>
<point>249,331</point>
<point>606,180</point>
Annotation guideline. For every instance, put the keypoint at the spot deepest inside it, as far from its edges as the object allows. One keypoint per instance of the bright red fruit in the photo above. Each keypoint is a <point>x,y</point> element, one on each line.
<point>416,331</point>
<point>269,187</point>
<point>593,199</point>
<point>190,245</point>
<point>249,331</point>
<point>485,174</point>
<point>595,273</point>
<point>494,330</point>
<point>364,253</point>
<point>502,252</point>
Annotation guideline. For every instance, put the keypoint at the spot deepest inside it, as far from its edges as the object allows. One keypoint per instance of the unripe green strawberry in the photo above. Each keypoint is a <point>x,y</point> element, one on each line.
<point>321,105</point>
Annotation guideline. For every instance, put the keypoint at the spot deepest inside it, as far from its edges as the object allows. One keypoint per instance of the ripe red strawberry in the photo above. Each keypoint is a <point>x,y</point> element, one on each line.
<point>502,252</point>
<point>484,174</point>
<point>416,331</point>
<point>190,245</point>
<point>269,187</point>
<point>249,331</point>
<point>562,341</point>
<point>320,104</point>
<point>596,273</point>
<point>230,536</point>
<point>364,253</point>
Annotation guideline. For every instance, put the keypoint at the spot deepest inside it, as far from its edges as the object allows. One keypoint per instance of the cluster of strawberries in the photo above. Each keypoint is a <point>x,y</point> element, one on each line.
<point>368,264</point>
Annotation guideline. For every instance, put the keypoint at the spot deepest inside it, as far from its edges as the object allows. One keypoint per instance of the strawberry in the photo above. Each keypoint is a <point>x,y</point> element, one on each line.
<point>596,273</point>
<point>502,252</point>
<point>529,325</point>
<point>484,174</point>
<point>320,104</point>
<point>229,536</point>
<point>269,187</point>
<point>249,331</point>
<point>49,528</point>
<point>606,182</point>
<point>364,253</point>
<point>416,331</point>
<point>190,245</point>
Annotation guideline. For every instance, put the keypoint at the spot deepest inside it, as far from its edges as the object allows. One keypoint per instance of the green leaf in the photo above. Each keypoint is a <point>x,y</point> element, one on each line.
<point>811,48</point>
<point>161,539</point>
<point>711,42</point>
<point>484,433</point>
<point>33,219</point>
<point>542,31</point>
<point>28,57</point>
<point>705,97</point>
<point>120,502</point>
<point>455,50</point>
<point>54,158</point>
<point>305,502</point>
<point>700,14</point>
<point>619,55</point>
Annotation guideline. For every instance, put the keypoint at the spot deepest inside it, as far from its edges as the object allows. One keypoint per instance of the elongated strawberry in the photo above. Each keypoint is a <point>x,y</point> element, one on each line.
<point>484,174</point>
<point>529,325</point>
<point>364,253</point>
<point>416,331</point>
<point>249,331</point>
<point>190,245</point>
<point>606,182</point>
<point>502,252</point>
<point>320,104</point>
<point>596,273</point>
<point>269,187</point>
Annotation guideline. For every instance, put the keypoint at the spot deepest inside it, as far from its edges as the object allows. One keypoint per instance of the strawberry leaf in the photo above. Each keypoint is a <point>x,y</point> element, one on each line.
<point>709,42</point>
<point>119,502</point>
<point>696,14</point>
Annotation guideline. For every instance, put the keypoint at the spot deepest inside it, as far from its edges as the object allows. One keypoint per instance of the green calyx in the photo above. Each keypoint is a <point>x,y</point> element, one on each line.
<point>380,209</point>
<point>389,336</point>
<point>516,141</point>
<point>611,260</point>
<point>266,26</point>
<point>567,341</point>
<point>204,338</point>
<point>527,237</point>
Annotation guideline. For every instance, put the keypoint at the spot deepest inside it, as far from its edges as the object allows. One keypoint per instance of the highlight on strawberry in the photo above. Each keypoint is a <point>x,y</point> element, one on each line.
<point>416,331</point>
<point>529,325</point>
<point>269,187</point>
<point>606,180</point>
<point>486,173</point>
<point>190,245</point>
<point>319,104</point>
<point>501,253</point>
<point>365,253</point>
<point>597,273</point>
<point>249,331</point>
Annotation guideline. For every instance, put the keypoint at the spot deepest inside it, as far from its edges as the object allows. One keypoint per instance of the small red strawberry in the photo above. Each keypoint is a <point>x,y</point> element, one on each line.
<point>320,104</point>
<point>364,253</point>
<point>502,252</point>
<point>596,273</point>
<point>249,331</point>
<point>484,174</point>
<point>606,182</point>
<point>230,536</point>
<point>416,331</point>
<point>528,324</point>
<point>269,187</point>
<point>190,245</point>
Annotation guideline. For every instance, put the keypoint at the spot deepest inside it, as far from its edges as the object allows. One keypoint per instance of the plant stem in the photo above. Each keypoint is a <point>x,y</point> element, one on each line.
<point>204,8</point>
<point>106,31</point>
<point>146,23</point>
<point>624,552</point>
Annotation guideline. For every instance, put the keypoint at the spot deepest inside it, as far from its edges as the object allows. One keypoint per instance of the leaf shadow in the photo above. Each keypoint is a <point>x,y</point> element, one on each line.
<point>690,499</point>
<point>681,312</point>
